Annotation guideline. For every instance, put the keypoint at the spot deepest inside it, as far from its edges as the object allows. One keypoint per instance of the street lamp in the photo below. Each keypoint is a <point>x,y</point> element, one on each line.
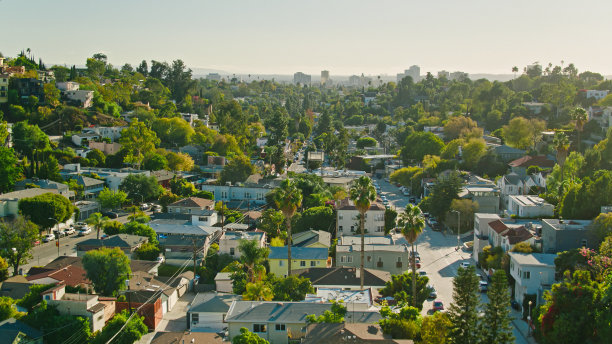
<point>529,320</point>
<point>458,225</point>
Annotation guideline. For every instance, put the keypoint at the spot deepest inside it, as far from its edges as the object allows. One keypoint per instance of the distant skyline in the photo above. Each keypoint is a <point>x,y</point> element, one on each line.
<point>343,36</point>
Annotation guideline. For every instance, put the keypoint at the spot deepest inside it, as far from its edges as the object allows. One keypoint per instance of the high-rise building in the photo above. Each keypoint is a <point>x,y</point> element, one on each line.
<point>324,77</point>
<point>414,72</point>
<point>459,76</point>
<point>301,78</point>
<point>443,74</point>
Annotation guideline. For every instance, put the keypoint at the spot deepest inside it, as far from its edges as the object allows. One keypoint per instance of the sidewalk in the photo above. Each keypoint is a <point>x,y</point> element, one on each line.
<point>522,329</point>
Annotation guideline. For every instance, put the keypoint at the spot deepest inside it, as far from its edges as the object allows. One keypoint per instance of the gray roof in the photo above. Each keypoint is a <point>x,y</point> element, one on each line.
<point>119,240</point>
<point>10,329</point>
<point>534,259</point>
<point>212,302</point>
<point>88,181</point>
<point>182,229</point>
<point>310,237</point>
<point>512,178</point>
<point>269,311</point>
<point>298,252</point>
<point>27,193</point>
<point>42,183</point>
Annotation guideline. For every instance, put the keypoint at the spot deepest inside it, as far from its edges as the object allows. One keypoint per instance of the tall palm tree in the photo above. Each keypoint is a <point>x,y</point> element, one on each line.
<point>561,144</point>
<point>412,224</point>
<point>362,193</point>
<point>252,257</point>
<point>514,70</point>
<point>258,291</point>
<point>288,198</point>
<point>580,116</point>
<point>97,221</point>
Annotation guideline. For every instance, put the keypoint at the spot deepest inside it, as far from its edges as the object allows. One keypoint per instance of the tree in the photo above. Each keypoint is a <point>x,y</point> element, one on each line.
<point>143,68</point>
<point>237,170</point>
<point>131,333</point>
<point>7,308</point>
<point>175,131</point>
<point>155,162</point>
<point>271,222</point>
<point>400,288</point>
<point>97,157</point>
<point>496,324</point>
<point>435,329</point>
<point>138,141</point>
<point>321,217</point>
<point>291,288</point>
<point>419,144</point>
<point>602,225</point>
<point>580,117</point>
<point>107,268</point>
<point>362,193</point>
<point>33,296</point>
<point>139,187</point>
<point>258,291</point>
<point>472,151</point>
<point>442,194</point>
<point>463,312</point>
<point>517,133</point>
<point>10,171</point>
<point>561,144</point>
<point>247,337</point>
<point>460,127</point>
<point>147,251</point>
<point>390,220</point>
<point>466,208</point>
<point>402,325</point>
<point>288,198</point>
<point>333,316</point>
<point>364,142</point>
<point>28,139</point>
<point>58,328</point>
<point>97,221</point>
<point>412,224</point>
<point>4,274</point>
<point>179,161</point>
<point>46,210</point>
<point>111,199</point>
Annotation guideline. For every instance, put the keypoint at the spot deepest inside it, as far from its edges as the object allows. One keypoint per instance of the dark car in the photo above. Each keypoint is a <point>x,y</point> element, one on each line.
<point>515,305</point>
<point>111,215</point>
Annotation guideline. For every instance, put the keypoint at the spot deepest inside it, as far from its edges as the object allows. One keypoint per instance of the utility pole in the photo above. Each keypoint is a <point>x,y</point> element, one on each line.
<point>193,240</point>
<point>127,283</point>
<point>222,218</point>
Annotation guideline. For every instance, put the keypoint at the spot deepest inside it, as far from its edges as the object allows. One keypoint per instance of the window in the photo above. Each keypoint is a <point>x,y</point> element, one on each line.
<point>281,262</point>
<point>232,250</point>
<point>369,259</point>
<point>399,259</point>
<point>526,274</point>
<point>349,259</point>
<point>260,196</point>
<point>313,263</point>
<point>583,242</point>
<point>261,328</point>
<point>342,259</point>
<point>340,228</point>
<point>303,263</point>
<point>280,327</point>
<point>352,228</point>
<point>247,195</point>
<point>380,229</point>
<point>195,318</point>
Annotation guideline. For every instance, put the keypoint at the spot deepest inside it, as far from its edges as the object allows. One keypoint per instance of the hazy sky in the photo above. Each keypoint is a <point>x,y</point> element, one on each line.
<point>343,36</point>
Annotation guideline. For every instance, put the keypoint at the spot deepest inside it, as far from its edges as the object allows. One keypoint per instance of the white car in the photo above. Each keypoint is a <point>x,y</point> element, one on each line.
<point>84,232</point>
<point>49,237</point>
<point>160,259</point>
<point>144,206</point>
<point>69,230</point>
<point>465,265</point>
<point>157,208</point>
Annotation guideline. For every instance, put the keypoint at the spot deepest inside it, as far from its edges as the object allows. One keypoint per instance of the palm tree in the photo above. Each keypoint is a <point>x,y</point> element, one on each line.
<point>97,221</point>
<point>561,144</point>
<point>288,198</point>
<point>515,70</point>
<point>252,257</point>
<point>258,291</point>
<point>580,116</point>
<point>362,193</point>
<point>412,224</point>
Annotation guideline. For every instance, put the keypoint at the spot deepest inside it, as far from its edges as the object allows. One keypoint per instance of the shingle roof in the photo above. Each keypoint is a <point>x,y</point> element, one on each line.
<point>70,275</point>
<point>512,178</point>
<point>10,329</point>
<point>212,302</point>
<point>516,235</point>
<point>187,337</point>
<point>310,237</point>
<point>118,240</point>
<point>334,333</point>
<point>88,181</point>
<point>96,308</point>
<point>193,202</point>
<point>298,253</point>
<point>15,287</point>
<point>498,226</point>
<point>344,276</point>
<point>27,193</point>
<point>287,312</point>
<point>63,261</point>
<point>538,160</point>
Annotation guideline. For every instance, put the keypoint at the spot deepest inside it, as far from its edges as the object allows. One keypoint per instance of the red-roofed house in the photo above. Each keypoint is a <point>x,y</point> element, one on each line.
<point>192,205</point>
<point>74,276</point>
<point>508,235</point>
<point>519,166</point>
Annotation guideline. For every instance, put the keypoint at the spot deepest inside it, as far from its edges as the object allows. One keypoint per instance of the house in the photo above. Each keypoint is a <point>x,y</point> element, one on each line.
<point>482,232</point>
<point>252,217</point>
<point>192,205</point>
<point>91,186</point>
<point>113,177</point>
<point>105,147</point>
<point>127,243</point>
<point>111,133</point>
<point>82,98</point>
<point>45,184</point>
<point>534,107</point>
<point>180,248</point>
<point>279,321</point>
<point>347,218</point>
<point>190,118</point>
<point>344,277</point>
<point>4,85</point>
<point>324,333</point>
<point>487,197</point>
<point>182,228</point>
<point>223,282</point>
<point>529,206</point>
<point>9,202</point>
<point>67,86</point>
<point>83,305</point>
<point>533,273</point>
<point>149,305</point>
<point>14,331</point>
<point>86,208</point>
<point>507,153</point>
<point>229,241</point>
<point>312,238</point>
<point>597,94</point>
<point>64,261</point>
<point>83,139</point>
<point>519,166</point>
<point>27,87</point>
<point>506,235</point>
<point>207,311</point>
<point>163,177</point>
<point>172,288</point>
<point>195,152</point>
<point>245,196</point>
<point>386,257</point>
<point>562,235</point>
<point>301,257</point>
<point>361,299</point>
<point>187,337</point>
<point>72,275</point>
<point>15,287</point>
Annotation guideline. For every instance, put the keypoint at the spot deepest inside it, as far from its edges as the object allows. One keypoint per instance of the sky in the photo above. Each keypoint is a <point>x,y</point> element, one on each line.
<point>343,36</point>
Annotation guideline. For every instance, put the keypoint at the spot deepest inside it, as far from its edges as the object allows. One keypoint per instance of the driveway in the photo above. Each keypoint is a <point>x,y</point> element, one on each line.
<point>173,321</point>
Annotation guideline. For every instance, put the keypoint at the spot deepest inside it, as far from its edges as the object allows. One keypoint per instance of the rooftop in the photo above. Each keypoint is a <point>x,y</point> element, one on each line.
<point>347,204</point>
<point>329,294</point>
<point>187,337</point>
<point>194,202</point>
<point>344,276</point>
<point>534,259</point>
<point>529,201</point>
<point>371,248</point>
<point>118,240</point>
<point>307,238</point>
<point>298,253</point>
<point>538,160</point>
<point>229,235</point>
<point>568,224</point>
<point>212,302</point>
<point>27,193</point>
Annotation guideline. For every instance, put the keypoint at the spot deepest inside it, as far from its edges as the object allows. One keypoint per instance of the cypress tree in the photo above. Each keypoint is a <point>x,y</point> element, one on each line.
<point>496,325</point>
<point>463,312</point>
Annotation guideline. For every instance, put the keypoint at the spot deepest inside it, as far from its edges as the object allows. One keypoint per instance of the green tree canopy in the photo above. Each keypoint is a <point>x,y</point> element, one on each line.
<point>111,199</point>
<point>237,170</point>
<point>463,312</point>
<point>46,210</point>
<point>247,337</point>
<point>10,171</point>
<point>141,188</point>
<point>138,141</point>
<point>131,333</point>
<point>400,288</point>
<point>107,268</point>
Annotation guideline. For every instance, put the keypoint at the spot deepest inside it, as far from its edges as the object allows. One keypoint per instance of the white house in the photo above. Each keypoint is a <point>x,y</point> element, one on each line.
<point>347,217</point>
<point>506,235</point>
<point>67,86</point>
<point>223,282</point>
<point>85,305</point>
<point>243,194</point>
<point>83,97</point>
<point>529,206</point>
<point>533,273</point>
<point>597,94</point>
<point>482,232</point>
<point>229,241</point>
<point>112,133</point>
<point>207,311</point>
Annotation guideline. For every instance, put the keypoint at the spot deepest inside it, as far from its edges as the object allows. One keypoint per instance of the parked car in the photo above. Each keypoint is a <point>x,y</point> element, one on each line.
<point>70,230</point>
<point>160,259</point>
<point>416,254</point>
<point>422,273</point>
<point>432,292</point>
<point>111,214</point>
<point>426,215</point>
<point>103,236</point>
<point>36,242</point>
<point>145,206</point>
<point>406,193</point>
<point>465,265</point>
<point>413,200</point>
<point>157,208</point>
<point>438,306</point>
<point>483,286</point>
<point>49,237</point>
<point>80,225</point>
<point>84,232</point>
<point>59,233</point>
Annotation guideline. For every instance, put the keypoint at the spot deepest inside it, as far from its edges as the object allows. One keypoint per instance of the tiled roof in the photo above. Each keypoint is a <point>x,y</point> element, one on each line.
<point>498,226</point>
<point>70,275</point>
<point>193,202</point>
<point>96,308</point>
<point>538,160</point>
<point>63,261</point>
<point>518,234</point>
<point>298,253</point>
